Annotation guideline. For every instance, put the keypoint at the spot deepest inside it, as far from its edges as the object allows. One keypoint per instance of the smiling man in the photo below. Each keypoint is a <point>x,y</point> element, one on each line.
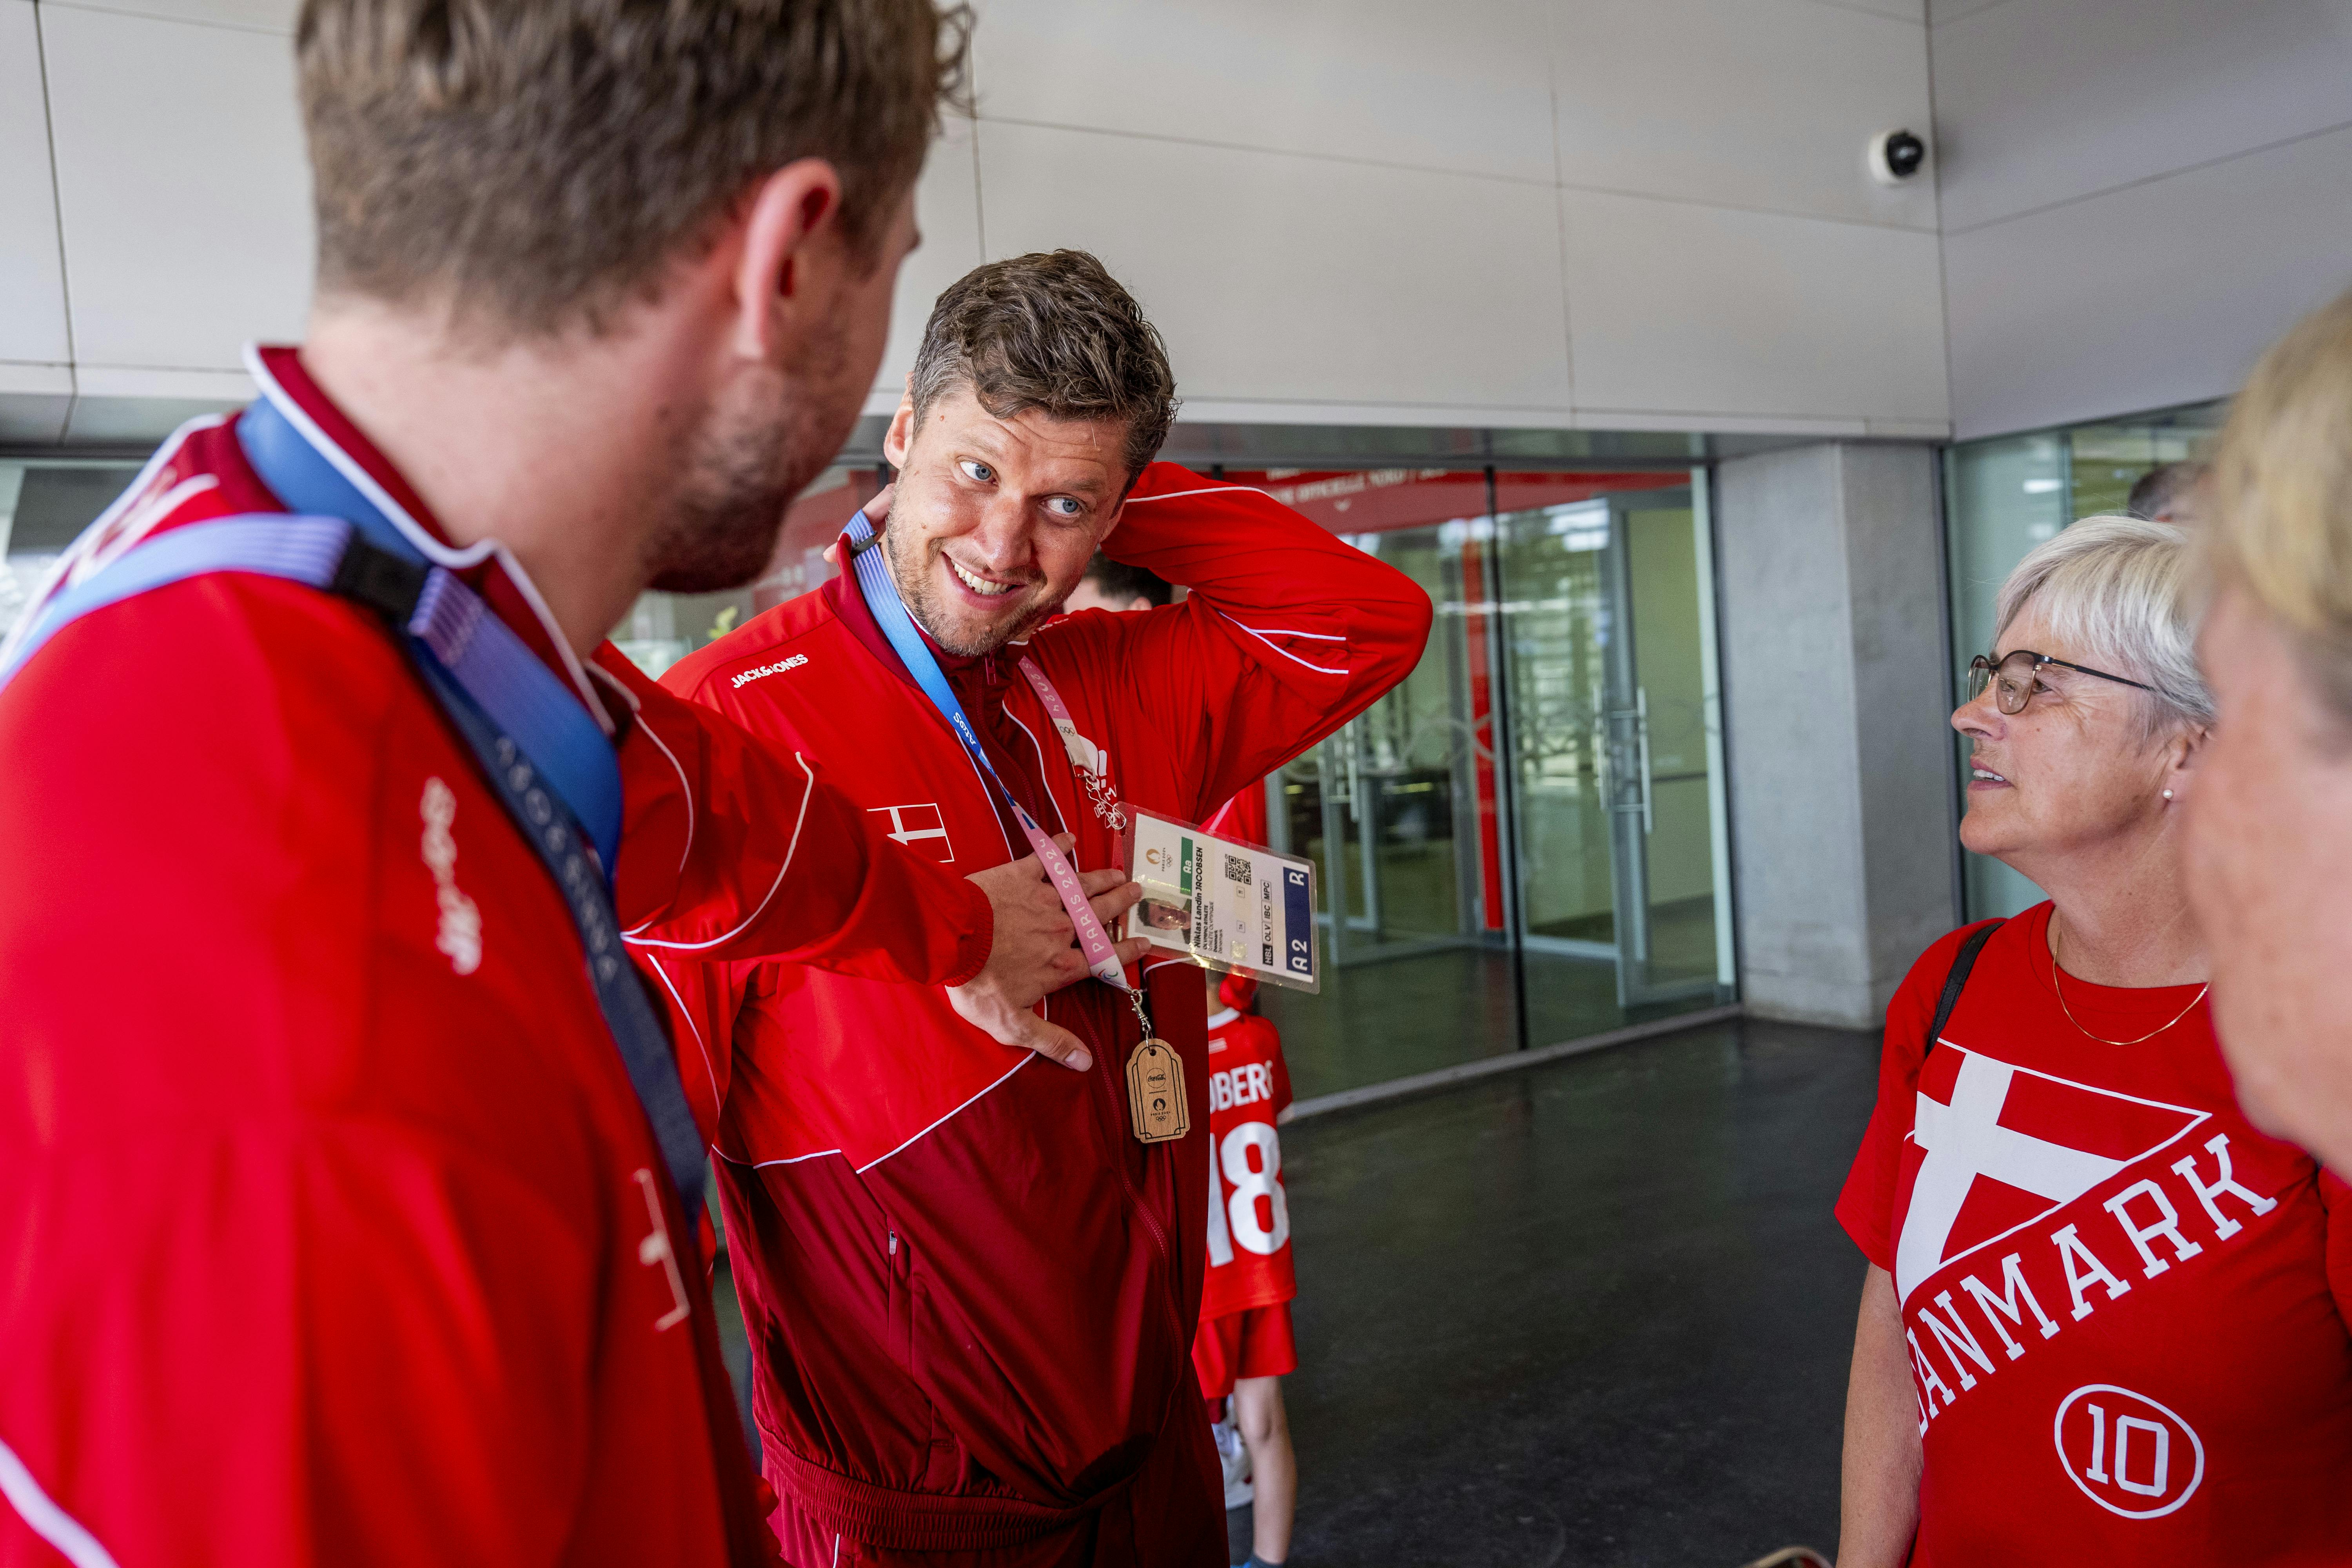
<point>970,1288</point>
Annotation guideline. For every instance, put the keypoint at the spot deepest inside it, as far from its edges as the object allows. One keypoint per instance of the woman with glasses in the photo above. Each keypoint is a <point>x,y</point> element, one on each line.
<point>2100,1322</point>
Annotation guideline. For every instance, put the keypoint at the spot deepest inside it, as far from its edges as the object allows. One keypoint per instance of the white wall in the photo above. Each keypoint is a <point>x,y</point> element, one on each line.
<point>2137,195</point>
<point>1620,214</point>
<point>1607,213</point>
<point>164,170</point>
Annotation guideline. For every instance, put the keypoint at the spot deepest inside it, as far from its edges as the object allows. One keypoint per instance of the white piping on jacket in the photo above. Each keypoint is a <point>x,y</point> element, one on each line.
<point>1060,819</point>
<point>684,785</point>
<point>418,535</point>
<point>1285,652</point>
<point>48,1520</point>
<point>64,564</point>
<point>1203,491</point>
<point>763,1164</point>
<point>1026,1058</point>
<point>791,851</point>
<point>710,1068</point>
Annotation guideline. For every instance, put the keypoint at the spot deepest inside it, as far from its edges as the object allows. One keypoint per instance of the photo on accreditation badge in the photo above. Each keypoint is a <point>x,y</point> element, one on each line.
<point>1224,903</point>
<point>1166,914</point>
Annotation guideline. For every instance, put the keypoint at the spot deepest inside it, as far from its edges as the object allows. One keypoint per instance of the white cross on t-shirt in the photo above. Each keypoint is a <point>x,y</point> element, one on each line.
<point>1964,1140</point>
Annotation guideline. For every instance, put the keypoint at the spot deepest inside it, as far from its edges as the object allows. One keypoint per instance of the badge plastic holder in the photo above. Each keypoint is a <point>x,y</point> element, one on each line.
<point>1226,903</point>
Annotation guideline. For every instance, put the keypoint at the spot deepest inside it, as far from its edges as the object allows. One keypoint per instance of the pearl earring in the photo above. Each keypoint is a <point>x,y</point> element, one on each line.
<point>2167,795</point>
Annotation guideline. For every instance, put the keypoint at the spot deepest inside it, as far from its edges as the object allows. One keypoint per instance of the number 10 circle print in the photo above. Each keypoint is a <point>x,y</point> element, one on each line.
<point>2130,1454</point>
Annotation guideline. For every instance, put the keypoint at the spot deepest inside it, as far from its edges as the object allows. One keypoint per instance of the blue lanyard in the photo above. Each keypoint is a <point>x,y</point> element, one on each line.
<point>513,687</point>
<point>889,611</point>
<point>549,760</point>
<point>511,711</point>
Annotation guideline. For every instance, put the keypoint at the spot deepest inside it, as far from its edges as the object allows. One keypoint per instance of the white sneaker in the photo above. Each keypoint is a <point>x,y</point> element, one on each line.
<point>1239,1491</point>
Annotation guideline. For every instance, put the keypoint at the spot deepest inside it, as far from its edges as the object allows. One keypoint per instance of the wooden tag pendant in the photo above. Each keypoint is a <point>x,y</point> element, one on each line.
<point>1155,1093</point>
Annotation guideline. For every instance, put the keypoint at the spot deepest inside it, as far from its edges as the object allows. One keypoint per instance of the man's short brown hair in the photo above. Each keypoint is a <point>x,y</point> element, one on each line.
<point>533,164</point>
<point>1052,332</point>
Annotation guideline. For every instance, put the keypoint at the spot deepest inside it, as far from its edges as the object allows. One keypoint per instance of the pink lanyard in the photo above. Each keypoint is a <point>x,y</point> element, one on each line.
<point>889,612</point>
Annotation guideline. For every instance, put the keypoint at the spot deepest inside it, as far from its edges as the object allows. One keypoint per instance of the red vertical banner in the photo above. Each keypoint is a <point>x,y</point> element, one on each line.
<point>1479,655</point>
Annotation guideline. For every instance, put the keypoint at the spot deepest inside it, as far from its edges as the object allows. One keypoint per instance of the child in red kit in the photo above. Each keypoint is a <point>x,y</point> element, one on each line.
<point>1244,1345</point>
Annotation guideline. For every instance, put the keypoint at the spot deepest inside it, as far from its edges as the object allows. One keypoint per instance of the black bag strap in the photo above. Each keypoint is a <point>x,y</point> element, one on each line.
<point>1962,961</point>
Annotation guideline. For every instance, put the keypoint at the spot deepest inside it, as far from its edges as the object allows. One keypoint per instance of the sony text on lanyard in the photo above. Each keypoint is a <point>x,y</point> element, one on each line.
<point>1155,1077</point>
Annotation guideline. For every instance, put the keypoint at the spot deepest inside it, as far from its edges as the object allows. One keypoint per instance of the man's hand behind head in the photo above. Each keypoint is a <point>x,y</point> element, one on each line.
<point>1035,953</point>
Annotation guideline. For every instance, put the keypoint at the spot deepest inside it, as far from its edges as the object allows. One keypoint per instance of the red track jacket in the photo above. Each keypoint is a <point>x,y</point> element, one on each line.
<point>970,1291</point>
<point>334,1233</point>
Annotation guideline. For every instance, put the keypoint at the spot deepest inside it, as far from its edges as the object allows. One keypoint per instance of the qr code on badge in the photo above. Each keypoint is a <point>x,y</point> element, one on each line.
<point>1237,869</point>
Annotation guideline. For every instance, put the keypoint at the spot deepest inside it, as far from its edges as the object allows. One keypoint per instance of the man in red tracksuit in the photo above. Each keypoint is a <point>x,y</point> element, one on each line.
<point>337,1231</point>
<point>970,1289</point>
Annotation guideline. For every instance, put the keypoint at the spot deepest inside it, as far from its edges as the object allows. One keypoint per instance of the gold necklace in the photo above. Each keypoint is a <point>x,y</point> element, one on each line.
<point>2057,942</point>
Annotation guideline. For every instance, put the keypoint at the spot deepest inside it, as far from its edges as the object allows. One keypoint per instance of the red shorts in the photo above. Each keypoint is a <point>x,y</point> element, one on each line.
<point>1253,1343</point>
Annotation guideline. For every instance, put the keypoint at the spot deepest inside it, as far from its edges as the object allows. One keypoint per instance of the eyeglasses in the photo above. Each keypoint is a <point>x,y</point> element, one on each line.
<point>2011,677</point>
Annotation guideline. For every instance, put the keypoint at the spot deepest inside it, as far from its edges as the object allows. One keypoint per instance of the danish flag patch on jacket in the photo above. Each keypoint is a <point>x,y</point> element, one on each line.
<point>919,827</point>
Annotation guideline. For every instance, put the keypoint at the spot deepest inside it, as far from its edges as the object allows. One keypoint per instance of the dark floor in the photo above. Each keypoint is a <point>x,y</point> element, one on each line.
<point>1391,1019</point>
<point>1593,1313</point>
<point>1596,1313</point>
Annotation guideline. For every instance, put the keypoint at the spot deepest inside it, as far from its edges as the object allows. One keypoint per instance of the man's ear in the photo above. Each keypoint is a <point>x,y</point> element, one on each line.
<point>900,437</point>
<point>789,233</point>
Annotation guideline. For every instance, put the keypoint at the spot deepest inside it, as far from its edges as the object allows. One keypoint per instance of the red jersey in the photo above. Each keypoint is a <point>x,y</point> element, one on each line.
<point>1242,817</point>
<point>970,1291</point>
<point>1249,1215</point>
<point>2124,1307</point>
<point>338,1235</point>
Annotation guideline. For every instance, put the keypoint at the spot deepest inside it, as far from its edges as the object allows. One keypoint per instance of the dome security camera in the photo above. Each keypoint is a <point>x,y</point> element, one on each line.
<point>1897,156</point>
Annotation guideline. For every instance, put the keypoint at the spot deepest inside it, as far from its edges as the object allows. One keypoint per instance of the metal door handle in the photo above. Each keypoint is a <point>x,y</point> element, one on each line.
<point>1641,740</point>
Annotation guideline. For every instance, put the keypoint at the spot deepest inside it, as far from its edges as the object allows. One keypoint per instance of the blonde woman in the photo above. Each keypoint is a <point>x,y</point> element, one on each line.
<point>2270,841</point>
<point>2100,1324</point>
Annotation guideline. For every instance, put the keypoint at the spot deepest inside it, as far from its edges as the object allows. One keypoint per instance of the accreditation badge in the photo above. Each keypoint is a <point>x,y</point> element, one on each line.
<point>1224,903</point>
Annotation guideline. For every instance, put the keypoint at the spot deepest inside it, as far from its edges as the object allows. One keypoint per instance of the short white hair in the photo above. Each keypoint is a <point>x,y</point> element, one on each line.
<point>2119,590</point>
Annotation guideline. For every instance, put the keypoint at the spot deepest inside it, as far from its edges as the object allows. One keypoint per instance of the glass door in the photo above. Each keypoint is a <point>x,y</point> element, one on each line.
<point>1523,843</point>
<point>1623,869</point>
<point>1397,810</point>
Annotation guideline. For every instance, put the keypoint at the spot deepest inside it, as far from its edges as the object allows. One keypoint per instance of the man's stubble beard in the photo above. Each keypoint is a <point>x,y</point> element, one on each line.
<point>919,591</point>
<point>768,433</point>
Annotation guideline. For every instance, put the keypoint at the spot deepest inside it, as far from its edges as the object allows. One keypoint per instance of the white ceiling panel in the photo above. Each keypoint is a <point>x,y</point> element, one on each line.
<point>946,211</point>
<point>1280,280</point>
<point>1704,312</point>
<point>1461,86</point>
<point>270,15</point>
<point>2046,102</point>
<point>32,282</point>
<point>183,185</point>
<point>1767,104</point>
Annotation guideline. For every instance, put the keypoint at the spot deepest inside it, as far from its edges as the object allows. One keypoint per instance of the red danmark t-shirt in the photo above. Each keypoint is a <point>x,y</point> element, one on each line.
<point>2125,1307</point>
<point>1249,1217</point>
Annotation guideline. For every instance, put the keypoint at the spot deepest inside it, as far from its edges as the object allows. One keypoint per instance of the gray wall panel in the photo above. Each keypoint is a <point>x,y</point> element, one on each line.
<point>1841,816</point>
<point>2042,102</point>
<point>2160,293</point>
